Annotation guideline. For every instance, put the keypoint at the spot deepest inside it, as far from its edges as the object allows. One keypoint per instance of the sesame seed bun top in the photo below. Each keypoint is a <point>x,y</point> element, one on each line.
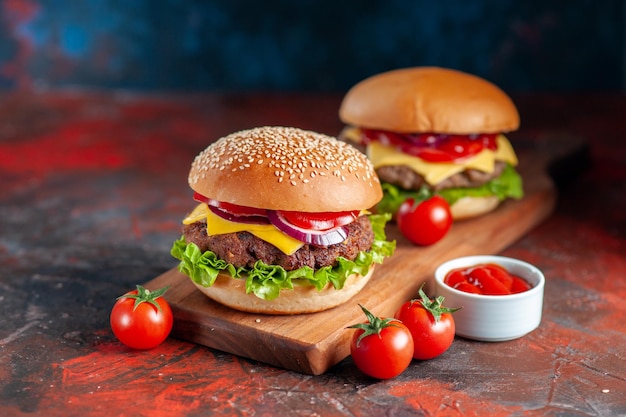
<point>429,100</point>
<point>285,168</point>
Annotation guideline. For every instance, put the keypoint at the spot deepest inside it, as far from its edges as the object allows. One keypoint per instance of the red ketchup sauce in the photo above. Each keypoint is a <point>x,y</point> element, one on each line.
<point>486,279</point>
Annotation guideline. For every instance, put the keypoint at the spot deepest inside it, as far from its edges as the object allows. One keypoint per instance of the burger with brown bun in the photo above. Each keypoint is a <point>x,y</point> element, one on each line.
<point>437,129</point>
<point>281,225</point>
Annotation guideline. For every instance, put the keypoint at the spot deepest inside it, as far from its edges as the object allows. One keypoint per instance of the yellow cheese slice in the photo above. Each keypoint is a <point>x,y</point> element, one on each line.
<point>198,214</point>
<point>219,226</point>
<point>505,151</point>
<point>351,133</point>
<point>434,173</point>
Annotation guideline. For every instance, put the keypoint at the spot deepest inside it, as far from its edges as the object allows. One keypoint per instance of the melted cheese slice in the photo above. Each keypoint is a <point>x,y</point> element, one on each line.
<point>351,133</point>
<point>434,173</point>
<point>219,226</point>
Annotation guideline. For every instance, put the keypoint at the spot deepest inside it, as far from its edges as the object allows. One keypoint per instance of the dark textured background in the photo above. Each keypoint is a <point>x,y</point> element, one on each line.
<point>308,45</point>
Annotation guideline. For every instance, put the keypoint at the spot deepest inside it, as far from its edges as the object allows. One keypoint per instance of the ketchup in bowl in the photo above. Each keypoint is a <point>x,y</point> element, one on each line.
<point>486,279</point>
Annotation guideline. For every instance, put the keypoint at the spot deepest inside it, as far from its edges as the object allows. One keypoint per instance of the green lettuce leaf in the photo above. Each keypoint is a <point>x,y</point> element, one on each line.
<point>507,185</point>
<point>267,281</point>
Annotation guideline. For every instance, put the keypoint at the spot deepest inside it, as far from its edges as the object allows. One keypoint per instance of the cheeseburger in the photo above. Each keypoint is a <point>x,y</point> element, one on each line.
<point>281,225</point>
<point>436,129</point>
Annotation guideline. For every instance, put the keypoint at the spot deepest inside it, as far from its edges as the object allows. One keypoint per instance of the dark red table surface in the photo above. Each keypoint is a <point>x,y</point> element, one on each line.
<point>92,191</point>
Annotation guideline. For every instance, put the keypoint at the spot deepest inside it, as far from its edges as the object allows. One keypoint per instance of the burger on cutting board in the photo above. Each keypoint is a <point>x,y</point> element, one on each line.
<point>281,224</point>
<point>436,128</point>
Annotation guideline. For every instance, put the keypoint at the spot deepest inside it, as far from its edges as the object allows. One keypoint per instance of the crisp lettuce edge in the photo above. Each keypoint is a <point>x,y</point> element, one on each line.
<point>508,185</point>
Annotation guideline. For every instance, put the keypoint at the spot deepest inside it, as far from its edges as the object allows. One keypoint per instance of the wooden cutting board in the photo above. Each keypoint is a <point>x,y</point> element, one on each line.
<point>312,343</point>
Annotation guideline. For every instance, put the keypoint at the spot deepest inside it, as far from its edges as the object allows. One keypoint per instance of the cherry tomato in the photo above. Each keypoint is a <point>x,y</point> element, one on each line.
<point>320,221</point>
<point>142,319</point>
<point>431,325</point>
<point>424,223</point>
<point>381,348</point>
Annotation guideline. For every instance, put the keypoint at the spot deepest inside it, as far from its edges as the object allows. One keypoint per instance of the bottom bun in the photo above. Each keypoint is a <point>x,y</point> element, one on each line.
<point>231,292</point>
<point>468,207</point>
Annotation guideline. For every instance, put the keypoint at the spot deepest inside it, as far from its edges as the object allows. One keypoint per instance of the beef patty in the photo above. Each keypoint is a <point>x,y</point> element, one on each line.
<point>243,249</point>
<point>405,177</point>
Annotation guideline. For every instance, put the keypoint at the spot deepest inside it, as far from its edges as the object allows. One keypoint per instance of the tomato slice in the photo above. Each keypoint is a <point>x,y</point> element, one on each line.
<point>320,221</point>
<point>238,210</point>
<point>311,221</point>
<point>488,279</point>
<point>231,208</point>
<point>481,277</point>
<point>500,274</point>
<point>455,277</point>
<point>434,147</point>
<point>467,287</point>
<point>519,285</point>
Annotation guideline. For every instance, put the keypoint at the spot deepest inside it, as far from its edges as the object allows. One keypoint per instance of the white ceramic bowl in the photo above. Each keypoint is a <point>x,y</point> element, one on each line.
<point>493,318</point>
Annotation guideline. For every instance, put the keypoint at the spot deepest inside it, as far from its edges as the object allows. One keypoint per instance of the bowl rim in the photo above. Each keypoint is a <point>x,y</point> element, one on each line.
<point>537,288</point>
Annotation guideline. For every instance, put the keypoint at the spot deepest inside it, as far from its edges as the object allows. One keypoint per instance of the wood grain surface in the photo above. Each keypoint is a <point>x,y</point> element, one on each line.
<point>312,343</point>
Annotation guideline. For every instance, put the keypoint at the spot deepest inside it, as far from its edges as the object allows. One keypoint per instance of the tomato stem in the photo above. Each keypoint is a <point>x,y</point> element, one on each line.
<point>144,295</point>
<point>374,325</point>
<point>434,307</point>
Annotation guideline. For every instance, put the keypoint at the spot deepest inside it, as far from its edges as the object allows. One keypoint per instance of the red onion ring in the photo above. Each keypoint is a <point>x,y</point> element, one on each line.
<point>238,219</point>
<point>425,141</point>
<point>312,237</point>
